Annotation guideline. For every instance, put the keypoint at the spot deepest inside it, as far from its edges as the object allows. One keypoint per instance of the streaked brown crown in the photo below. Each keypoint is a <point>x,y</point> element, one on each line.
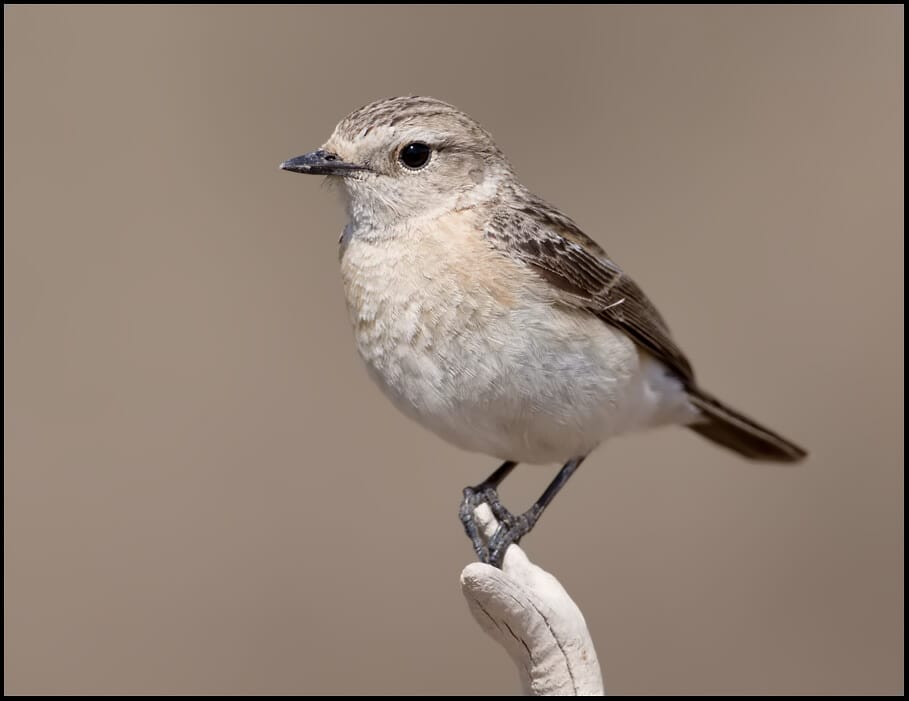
<point>407,111</point>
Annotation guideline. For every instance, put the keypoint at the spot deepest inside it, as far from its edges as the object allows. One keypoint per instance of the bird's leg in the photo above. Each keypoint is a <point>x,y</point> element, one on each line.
<point>484,493</point>
<point>511,528</point>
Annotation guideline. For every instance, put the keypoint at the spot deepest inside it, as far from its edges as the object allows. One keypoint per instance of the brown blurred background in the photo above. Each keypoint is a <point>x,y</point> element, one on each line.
<point>206,494</point>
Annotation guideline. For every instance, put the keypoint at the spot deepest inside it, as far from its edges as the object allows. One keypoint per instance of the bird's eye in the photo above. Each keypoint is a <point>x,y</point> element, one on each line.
<point>415,155</point>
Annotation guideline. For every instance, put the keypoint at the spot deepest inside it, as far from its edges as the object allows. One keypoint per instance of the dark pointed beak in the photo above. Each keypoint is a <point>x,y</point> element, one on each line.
<point>320,163</point>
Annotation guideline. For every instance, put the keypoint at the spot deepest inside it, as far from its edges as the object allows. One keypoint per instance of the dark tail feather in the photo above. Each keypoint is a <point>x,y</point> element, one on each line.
<point>732,430</point>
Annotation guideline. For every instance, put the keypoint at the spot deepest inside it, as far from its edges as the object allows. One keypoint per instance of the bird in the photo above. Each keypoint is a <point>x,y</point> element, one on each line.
<point>489,317</point>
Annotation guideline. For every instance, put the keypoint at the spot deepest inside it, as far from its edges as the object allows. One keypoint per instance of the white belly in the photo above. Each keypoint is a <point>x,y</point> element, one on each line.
<point>478,353</point>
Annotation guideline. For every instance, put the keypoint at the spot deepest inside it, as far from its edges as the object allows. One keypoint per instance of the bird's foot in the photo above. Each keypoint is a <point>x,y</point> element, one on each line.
<point>511,528</point>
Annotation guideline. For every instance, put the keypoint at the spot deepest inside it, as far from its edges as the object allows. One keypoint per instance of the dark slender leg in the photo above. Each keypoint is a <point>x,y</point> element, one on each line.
<point>511,528</point>
<point>497,477</point>
<point>560,479</point>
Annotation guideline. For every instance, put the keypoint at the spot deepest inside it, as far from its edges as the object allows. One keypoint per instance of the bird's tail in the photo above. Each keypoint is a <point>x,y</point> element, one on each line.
<point>732,430</point>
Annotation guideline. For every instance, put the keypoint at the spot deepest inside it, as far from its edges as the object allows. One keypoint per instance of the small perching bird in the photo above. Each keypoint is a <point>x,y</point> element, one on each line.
<point>489,317</point>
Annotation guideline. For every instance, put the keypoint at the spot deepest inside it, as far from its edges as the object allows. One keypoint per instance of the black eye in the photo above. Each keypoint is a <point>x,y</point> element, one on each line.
<point>415,155</point>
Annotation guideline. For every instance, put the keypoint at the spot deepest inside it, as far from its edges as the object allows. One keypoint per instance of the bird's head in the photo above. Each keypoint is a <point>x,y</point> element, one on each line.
<point>406,158</point>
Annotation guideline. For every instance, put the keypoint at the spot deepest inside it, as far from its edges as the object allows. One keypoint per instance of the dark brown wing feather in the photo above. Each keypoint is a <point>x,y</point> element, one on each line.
<point>548,241</point>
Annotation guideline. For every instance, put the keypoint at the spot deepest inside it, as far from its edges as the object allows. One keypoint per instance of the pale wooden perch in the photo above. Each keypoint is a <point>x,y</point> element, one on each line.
<point>527,611</point>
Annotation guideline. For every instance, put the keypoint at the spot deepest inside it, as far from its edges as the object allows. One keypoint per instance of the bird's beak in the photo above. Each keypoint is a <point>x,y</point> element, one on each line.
<point>321,162</point>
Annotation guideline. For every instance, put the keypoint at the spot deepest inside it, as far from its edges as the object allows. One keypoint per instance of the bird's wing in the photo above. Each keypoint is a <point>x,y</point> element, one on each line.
<point>543,238</point>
